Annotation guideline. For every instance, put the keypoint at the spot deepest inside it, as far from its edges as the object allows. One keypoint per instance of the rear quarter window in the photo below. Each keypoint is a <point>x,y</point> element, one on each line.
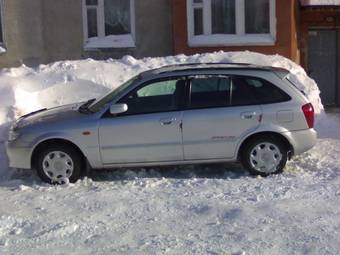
<point>259,91</point>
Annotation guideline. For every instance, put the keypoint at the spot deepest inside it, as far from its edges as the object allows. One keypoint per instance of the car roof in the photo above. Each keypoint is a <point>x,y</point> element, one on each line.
<point>170,69</point>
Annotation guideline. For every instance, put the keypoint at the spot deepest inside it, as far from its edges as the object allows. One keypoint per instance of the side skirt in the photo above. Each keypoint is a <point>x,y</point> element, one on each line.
<point>169,163</point>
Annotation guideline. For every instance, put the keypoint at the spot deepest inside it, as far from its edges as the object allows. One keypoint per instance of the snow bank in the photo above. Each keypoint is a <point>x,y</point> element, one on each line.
<point>28,89</point>
<point>25,89</point>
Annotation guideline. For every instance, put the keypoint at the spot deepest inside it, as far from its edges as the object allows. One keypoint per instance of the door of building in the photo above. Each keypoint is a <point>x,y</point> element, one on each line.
<point>322,63</point>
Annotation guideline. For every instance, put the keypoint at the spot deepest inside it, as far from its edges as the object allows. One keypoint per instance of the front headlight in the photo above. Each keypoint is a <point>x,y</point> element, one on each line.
<point>13,135</point>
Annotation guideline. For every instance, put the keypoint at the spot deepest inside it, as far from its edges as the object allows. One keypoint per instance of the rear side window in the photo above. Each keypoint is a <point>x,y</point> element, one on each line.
<point>248,90</point>
<point>241,93</point>
<point>210,92</point>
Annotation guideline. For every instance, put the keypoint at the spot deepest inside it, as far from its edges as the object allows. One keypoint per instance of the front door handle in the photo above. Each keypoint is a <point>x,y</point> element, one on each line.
<point>248,115</point>
<point>167,121</point>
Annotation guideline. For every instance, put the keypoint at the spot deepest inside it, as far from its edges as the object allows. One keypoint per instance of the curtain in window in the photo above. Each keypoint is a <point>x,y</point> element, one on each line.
<point>257,16</point>
<point>92,22</point>
<point>198,21</point>
<point>223,16</point>
<point>117,17</point>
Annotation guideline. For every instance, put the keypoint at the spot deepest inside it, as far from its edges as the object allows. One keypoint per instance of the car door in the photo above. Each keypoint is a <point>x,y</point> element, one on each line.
<point>150,129</point>
<point>218,114</point>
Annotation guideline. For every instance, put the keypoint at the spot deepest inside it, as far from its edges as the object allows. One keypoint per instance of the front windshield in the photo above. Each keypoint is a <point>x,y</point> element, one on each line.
<point>99,104</point>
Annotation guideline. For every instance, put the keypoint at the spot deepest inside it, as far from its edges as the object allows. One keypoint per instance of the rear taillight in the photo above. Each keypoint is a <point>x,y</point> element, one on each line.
<point>308,111</point>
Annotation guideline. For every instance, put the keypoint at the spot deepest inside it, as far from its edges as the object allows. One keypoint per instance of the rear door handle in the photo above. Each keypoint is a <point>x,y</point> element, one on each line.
<point>248,115</point>
<point>167,121</point>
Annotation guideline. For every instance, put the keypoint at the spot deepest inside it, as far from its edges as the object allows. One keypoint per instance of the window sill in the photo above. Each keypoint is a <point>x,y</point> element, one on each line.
<point>221,40</point>
<point>112,41</point>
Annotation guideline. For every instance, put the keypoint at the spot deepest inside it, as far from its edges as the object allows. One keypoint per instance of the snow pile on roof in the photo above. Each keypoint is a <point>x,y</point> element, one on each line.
<point>319,2</point>
<point>23,89</point>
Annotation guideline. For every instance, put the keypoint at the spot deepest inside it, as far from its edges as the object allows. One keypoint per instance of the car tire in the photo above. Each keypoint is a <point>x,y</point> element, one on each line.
<point>59,164</point>
<point>264,156</point>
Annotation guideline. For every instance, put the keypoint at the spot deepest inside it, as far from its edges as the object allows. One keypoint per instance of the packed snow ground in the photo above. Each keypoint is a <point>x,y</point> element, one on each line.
<point>214,209</point>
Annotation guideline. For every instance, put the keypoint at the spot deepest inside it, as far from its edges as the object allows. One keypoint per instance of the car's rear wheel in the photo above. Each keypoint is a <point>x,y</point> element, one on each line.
<point>59,164</point>
<point>264,156</point>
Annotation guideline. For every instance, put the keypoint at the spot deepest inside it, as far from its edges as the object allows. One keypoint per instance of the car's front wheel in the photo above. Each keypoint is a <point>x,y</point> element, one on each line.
<point>59,164</point>
<point>264,156</point>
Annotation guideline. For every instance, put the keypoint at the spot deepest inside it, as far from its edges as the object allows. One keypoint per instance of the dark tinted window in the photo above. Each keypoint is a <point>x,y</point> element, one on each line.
<point>248,90</point>
<point>241,93</point>
<point>210,92</point>
<point>160,96</point>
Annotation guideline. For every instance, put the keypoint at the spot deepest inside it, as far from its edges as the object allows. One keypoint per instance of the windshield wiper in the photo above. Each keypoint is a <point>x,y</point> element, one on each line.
<point>84,108</point>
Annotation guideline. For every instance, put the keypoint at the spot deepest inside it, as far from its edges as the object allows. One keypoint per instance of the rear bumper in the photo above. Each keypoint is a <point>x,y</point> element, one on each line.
<point>302,140</point>
<point>19,157</point>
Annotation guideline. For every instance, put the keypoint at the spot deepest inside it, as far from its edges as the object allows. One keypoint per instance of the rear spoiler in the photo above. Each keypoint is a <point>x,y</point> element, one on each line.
<point>281,72</point>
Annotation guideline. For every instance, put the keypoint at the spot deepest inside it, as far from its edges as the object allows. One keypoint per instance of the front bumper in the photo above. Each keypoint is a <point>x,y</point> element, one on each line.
<point>19,157</point>
<point>302,140</point>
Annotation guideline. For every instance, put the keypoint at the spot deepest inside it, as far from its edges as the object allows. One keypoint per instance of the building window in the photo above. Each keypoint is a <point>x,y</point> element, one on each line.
<point>109,23</point>
<point>231,22</point>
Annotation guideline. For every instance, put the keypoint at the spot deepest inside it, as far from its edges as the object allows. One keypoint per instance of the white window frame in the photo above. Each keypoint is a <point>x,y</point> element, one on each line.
<point>111,41</point>
<point>240,38</point>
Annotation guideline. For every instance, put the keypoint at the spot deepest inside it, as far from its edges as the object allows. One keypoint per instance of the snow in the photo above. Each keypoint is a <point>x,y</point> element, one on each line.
<point>212,209</point>
<point>111,41</point>
<point>319,2</point>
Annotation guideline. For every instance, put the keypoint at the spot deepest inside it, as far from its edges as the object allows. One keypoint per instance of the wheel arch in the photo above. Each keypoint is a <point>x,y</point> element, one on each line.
<point>282,138</point>
<point>54,141</point>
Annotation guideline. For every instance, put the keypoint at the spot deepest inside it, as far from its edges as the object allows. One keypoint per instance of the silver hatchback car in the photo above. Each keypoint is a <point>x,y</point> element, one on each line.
<point>184,114</point>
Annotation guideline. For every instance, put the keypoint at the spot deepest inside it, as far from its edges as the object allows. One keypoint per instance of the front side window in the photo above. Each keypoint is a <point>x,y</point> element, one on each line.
<point>108,98</point>
<point>108,23</point>
<point>231,22</point>
<point>158,96</point>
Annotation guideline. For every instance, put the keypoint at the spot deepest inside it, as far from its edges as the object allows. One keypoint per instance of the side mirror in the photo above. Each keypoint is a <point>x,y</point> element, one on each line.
<point>118,108</point>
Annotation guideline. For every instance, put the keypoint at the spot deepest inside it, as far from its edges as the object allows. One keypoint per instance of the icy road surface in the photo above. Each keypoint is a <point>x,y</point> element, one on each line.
<point>215,209</point>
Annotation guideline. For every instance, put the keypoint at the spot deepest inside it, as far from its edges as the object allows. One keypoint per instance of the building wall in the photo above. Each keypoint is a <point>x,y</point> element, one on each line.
<point>285,38</point>
<point>43,31</point>
<point>154,28</point>
<point>23,34</point>
<point>62,26</point>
